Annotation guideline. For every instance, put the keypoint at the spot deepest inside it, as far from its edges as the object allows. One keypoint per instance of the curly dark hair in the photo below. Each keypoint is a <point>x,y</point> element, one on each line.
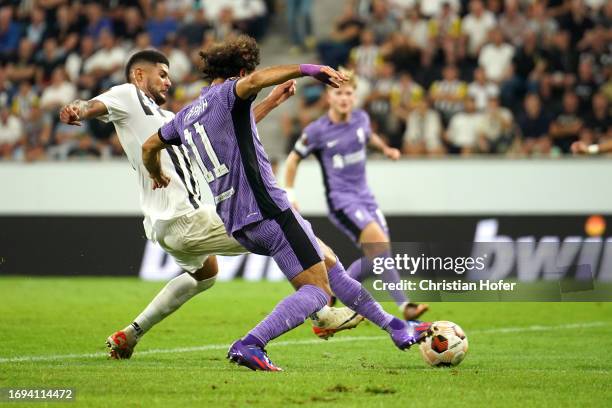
<point>227,59</point>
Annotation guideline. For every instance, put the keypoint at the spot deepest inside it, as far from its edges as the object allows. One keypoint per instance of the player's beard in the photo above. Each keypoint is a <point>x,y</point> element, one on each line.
<point>159,98</point>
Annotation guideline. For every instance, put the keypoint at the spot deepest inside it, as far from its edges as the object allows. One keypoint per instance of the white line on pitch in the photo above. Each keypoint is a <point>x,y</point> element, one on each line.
<point>343,339</point>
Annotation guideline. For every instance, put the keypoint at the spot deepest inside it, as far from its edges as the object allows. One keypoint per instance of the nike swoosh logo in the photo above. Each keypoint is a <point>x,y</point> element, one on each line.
<point>332,143</point>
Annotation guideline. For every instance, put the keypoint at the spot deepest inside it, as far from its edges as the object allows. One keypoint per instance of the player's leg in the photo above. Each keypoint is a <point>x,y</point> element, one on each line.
<point>190,240</point>
<point>176,293</point>
<point>290,241</point>
<point>357,298</point>
<point>374,242</point>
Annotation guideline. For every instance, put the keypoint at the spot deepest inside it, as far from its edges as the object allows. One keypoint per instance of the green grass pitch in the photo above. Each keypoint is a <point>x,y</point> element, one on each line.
<point>521,354</point>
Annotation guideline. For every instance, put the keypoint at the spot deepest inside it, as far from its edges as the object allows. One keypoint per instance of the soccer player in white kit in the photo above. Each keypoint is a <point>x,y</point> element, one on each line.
<point>187,229</point>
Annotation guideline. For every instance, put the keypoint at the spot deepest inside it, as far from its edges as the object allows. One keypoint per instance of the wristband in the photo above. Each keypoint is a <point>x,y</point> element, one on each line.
<point>593,149</point>
<point>310,69</point>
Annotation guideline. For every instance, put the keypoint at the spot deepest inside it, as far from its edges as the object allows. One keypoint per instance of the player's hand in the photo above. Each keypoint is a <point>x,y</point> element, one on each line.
<point>579,147</point>
<point>70,114</point>
<point>392,153</point>
<point>325,74</point>
<point>280,93</point>
<point>160,180</point>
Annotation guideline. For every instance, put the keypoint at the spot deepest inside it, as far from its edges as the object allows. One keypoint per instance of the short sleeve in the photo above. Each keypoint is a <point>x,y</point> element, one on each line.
<point>307,143</point>
<point>367,125</point>
<point>226,93</point>
<point>169,134</point>
<point>117,101</point>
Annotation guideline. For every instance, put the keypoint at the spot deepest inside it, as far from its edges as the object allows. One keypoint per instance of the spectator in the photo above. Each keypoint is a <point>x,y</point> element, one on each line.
<point>66,28</point>
<point>562,61</point>
<point>541,23</point>
<point>496,130</point>
<point>76,61</point>
<point>11,133</point>
<point>380,102</point>
<point>464,130</point>
<point>482,90</point>
<point>225,25</point>
<point>410,94</point>
<point>37,26</point>
<point>416,29</point>
<point>365,57</point>
<point>10,32</point>
<point>195,30</point>
<point>534,124</point>
<point>299,18</point>
<point>6,91</point>
<point>381,22</point>
<point>161,25</point>
<point>476,26</point>
<point>528,68</point>
<point>496,58</point>
<point>599,120</point>
<point>585,86</point>
<point>576,21</point>
<point>512,23</point>
<point>23,67</point>
<point>432,8</point>
<point>130,26</point>
<point>107,63</point>
<point>60,92</point>
<point>24,101</point>
<point>423,135</point>
<point>347,30</point>
<point>37,135</point>
<point>181,66</point>
<point>445,31</point>
<point>47,60</point>
<point>448,94</point>
<point>97,22</point>
<point>566,127</point>
<point>398,51</point>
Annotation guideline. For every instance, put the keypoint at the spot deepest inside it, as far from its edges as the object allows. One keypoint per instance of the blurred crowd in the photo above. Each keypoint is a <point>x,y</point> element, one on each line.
<point>55,51</point>
<point>513,77</point>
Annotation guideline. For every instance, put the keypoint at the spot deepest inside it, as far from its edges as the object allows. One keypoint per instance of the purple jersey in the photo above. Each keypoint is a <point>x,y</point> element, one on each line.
<point>340,149</point>
<point>219,129</point>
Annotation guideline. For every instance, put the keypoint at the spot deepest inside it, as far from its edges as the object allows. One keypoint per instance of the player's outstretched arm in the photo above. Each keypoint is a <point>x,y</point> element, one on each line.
<point>279,94</point>
<point>291,166</point>
<point>379,144</point>
<point>251,84</point>
<point>583,148</point>
<point>78,110</point>
<point>151,159</point>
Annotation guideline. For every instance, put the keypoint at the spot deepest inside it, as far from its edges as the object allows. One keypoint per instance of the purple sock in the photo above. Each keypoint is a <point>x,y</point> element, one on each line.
<point>354,296</point>
<point>362,268</point>
<point>392,276</point>
<point>356,271</point>
<point>288,314</point>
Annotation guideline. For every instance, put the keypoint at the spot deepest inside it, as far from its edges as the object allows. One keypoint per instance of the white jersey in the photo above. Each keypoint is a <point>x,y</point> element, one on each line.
<point>136,117</point>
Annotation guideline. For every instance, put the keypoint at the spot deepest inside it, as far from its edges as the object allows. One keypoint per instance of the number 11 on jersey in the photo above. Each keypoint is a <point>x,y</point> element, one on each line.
<point>219,169</point>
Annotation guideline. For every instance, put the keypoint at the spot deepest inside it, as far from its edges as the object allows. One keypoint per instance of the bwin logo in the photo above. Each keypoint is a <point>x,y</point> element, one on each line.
<point>551,258</point>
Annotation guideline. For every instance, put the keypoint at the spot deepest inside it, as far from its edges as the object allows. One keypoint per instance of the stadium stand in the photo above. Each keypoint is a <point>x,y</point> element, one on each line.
<point>514,77</point>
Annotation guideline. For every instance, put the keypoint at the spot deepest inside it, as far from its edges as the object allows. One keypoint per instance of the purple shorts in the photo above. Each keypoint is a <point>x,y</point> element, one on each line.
<point>288,238</point>
<point>355,217</point>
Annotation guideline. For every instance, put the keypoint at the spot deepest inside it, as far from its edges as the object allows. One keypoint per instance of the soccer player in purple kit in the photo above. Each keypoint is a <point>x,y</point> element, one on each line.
<point>338,140</point>
<point>219,129</point>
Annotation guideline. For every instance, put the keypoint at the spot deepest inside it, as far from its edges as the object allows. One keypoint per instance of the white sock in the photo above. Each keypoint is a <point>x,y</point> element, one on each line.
<point>176,292</point>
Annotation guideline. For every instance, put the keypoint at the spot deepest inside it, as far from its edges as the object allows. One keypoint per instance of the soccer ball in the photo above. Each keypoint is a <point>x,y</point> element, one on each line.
<point>447,345</point>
